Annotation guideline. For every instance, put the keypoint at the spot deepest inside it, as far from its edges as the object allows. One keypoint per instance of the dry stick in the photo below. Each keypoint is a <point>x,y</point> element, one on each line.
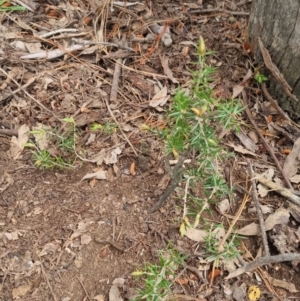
<point>281,190</point>
<point>113,97</point>
<point>219,10</point>
<point>274,70</point>
<point>29,82</point>
<point>115,81</point>
<point>175,178</point>
<point>185,196</point>
<point>263,261</point>
<point>31,97</point>
<point>266,145</point>
<point>88,296</point>
<point>185,297</point>
<point>237,215</point>
<point>284,132</point>
<point>87,42</point>
<point>195,271</point>
<point>275,104</point>
<point>48,283</point>
<point>220,246</point>
<point>119,126</point>
<point>9,132</point>
<point>258,210</point>
<point>262,274</point>
<point>54,32</point>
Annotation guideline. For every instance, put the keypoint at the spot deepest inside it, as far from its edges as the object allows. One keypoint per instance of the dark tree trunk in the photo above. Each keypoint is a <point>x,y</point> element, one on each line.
<point>277,24</point>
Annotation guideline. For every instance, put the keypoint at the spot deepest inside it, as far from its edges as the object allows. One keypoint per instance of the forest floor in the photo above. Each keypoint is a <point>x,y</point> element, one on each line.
<point>66,234</point>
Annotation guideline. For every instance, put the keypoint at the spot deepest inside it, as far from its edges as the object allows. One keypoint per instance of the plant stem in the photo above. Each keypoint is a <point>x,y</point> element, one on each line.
<point>175,178</point>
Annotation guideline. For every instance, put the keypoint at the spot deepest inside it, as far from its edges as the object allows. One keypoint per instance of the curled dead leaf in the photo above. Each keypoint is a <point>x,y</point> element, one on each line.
<point>132,169</point>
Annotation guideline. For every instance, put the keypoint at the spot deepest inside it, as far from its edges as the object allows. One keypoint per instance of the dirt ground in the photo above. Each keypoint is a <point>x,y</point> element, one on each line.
<point>64,238</point>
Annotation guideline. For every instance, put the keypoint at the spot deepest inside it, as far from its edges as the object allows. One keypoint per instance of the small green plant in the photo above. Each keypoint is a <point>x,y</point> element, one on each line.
<point>260,78</point>
<point>49,143</point>
<point>228,251</point>
<point>44,160</point>
<point>192,125</point>
<point>107,128</point>
<point>4,8</point>
<point>158,278</point>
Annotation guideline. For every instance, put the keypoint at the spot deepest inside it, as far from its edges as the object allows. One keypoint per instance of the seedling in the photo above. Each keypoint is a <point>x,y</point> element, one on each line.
<point>193,122</point>
<point>260,78</point>
<point>49,144</point>
<point>158,278</point>
<point>5,6</point>
<point>107,128</point>
<point>229,249</point>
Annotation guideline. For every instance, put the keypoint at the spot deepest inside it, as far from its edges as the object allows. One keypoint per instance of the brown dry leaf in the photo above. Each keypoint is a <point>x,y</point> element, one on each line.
<point>111,156</point>
<point>239,291</point>
<point>85,239</point>
<point>183,280</point>
<point>5,181</point>
<point>185,51</point>
<point>20,291</point>
<point>162,185</point>
<point>247,76</point>
<point>93,182</point>
<point>33,47</point>
<point>99,298</point>
<point>291,163</point>
<point>167,71</point>
<point>17,144</point>
<point>12,235</point>
<point>108,156</point>
<point>81,227</point>
<point>247,142</point>
<point>78,262</point>
<point>132,169</point>
<point>237,90</point>
<point>91,139</point>
<point>215,273</point>
<point>281,216</point>
<point>48,248</point>
<point>253,136</point>
<point>295,179</point>
<point>240,149</point>
<point>12,74</point>
<point>119,282</point>
<point>262,190</point>
<point>265,209</point>
<point>114,294</point>
<point>100,175</point>
<point>103,253</point>
<point>196,234</point>
<point>133,198</point>
<point>290,287</point>
<point>24,25</point>
<point>37,211</point>
<point>159,99</point>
